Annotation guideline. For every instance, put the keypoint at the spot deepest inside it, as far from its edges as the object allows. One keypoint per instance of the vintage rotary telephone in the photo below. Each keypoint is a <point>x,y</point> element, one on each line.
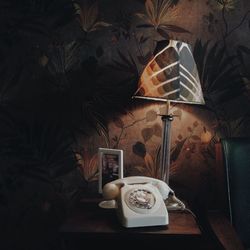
<point>140,201</point>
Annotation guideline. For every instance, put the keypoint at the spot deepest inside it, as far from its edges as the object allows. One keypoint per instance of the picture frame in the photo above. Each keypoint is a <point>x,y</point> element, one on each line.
<point>110,166</point>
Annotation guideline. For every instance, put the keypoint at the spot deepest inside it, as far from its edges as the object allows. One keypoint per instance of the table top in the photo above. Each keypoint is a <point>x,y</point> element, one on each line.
<point>89,218</point>
<point>90,223</point>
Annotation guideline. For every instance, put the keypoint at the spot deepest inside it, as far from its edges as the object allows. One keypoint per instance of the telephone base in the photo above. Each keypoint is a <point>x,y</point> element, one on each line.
<point>131,216</point>
<point>145,221</point>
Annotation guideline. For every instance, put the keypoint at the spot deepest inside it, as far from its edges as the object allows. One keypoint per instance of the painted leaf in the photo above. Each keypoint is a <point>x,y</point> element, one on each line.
<point>91,169</point>
<point>176,151</point>
<point>157,159</point>
<point>150,9</point>
<point>157,130</point>
<point>147,133</point>
<point>177,113</point>
<point>115,139</point>
<point>143,39</point>
<point>173,169</point>
<point>118,123</point>
<point>180,137</point>
<point>151,115</point>
<point>195,137</point>
<point>174,2</point>
<point>140,15</point>
<point>145,26</point>
<point>140,168</point>
<point>195,124</point>
<point>100,25</point>
<point>139,149</point>
<point>145,59</point>
<point>164,33</point>
<point>173,28</point>
<point>87,17</point>
<point>150,166</point>
<point>79,160</point>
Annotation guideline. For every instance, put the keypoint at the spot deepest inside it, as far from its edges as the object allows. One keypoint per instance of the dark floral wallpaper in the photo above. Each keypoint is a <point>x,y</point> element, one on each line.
<point>68,70</point>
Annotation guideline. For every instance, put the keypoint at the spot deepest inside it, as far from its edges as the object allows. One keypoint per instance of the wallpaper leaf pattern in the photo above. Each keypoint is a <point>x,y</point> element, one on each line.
<point>159,15</point>
<point>88,17</point>
<point>68,70</point>
<point>218,80</point>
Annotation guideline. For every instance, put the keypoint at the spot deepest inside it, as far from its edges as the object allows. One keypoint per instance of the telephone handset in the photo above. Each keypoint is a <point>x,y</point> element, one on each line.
<point>139,200</point>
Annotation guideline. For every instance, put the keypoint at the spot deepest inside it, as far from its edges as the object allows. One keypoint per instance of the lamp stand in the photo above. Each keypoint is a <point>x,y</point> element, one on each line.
<point>166,144</point>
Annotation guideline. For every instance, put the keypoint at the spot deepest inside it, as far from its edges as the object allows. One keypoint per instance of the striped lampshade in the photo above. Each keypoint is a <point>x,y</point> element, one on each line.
<point>171,75</point>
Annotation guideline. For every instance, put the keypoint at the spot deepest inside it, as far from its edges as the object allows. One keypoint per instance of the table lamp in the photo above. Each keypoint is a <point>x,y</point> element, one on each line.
<point>171,76</point>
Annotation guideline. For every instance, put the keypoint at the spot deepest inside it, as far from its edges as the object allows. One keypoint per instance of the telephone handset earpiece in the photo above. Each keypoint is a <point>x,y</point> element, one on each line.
<point>110,191</point>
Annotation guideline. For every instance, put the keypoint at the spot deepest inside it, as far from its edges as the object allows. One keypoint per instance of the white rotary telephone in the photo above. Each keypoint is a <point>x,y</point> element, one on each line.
<point>139,200</point>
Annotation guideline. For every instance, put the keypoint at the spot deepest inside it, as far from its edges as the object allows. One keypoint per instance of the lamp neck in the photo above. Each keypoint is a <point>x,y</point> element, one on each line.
<point>167,117</point>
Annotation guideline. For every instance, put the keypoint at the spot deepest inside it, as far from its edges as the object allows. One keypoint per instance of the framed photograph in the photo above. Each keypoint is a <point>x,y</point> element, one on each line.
<point>110,165</point>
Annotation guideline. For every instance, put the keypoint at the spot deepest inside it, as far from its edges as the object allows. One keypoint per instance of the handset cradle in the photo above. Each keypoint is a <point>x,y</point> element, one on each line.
<point>140,200</point>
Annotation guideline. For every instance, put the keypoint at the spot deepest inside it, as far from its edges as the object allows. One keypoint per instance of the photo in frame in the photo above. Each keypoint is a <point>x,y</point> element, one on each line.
<point>110,166</point>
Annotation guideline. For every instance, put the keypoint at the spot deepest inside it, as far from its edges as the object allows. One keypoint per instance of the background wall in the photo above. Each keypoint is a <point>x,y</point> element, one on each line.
<point>68,70</point>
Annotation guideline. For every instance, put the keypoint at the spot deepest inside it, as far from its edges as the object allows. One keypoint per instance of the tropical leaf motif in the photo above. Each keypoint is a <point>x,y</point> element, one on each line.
<point>196,124</point>
<point>159,15</point>
<point>157,130</point>
<point>88,17</point>
<point>88,165</point>
<point>244,57</point>
<point>195,137</point>
<point>150,165</point>
<point>173,171</point>
<point>178,113</point>
<point>125,63</point>
<point>147,134</point>
<point>63,58</point>
<point>175,152</point>
<point>36,163</point>
<point>151,115</point>
<point>219,74</point>
<point>157,10</point>
<point>118,122</point>
<point>227,5</point>
<point>139,149</point>
<point>40,151</point>
<point>121,26</point>
<point>126,68</point>
<point>96,120</point>
<point>139,168</point>
<point>34,19</point>
<point>145,58</point>
<point>8,84</point>
<point>171,27</point>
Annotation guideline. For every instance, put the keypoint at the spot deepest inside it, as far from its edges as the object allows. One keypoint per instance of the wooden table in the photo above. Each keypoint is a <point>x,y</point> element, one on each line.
<point>90,224</point>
